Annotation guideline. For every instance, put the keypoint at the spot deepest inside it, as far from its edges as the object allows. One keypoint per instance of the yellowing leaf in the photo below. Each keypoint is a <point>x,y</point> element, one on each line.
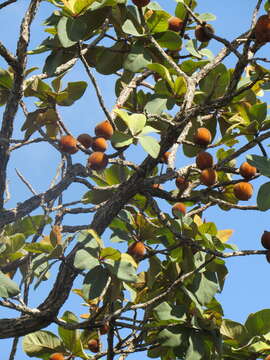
<point>224,235</point>
<point>197,219</point>
<point>77,6</point>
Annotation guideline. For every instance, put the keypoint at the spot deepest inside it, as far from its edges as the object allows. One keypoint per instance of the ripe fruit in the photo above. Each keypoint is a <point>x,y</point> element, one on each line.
<point>181,183</point>
<point>165,157</point>
<point>204,160</point>
<point>157,186</point>
<point>68,144</point>
<point>57,356</point>
<point>93,345</point>
<point>268,259</point>
<point>247,171</point>
<point>243,190</point>
<point>85,140</point>
<point>104,129</point>
<point>175,24</point>
<point>265,239</point>
<point>201,34</point>
<point>141,3</point>
<point>97,160</point>
<point>208,177</point>
<point>99,144</point>
<point>267,357</point>
<point>178,207</point>
<point>137,249</point>
<point>202,136</point>
<point>262,29</point>
<point>104,329</point>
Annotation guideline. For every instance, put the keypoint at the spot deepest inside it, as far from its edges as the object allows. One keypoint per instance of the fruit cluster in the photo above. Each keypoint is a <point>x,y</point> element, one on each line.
<point>98,160</point>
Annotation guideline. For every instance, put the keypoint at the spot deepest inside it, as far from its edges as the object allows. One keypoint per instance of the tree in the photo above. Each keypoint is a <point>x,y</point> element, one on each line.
<point>158,295</point>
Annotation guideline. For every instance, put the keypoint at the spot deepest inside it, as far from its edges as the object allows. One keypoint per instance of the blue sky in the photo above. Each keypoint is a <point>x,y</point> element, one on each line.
<point>246,288</point>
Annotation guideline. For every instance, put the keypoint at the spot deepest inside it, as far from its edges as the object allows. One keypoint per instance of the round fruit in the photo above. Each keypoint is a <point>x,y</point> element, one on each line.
<point>208,177</point>
<point>68,144</point>
<point>268,259</point>
<point>175,24</point>
<point>137,249</point>
<point>104,129</point>
<point>202,136</point>
<point>157,186</point>
<point>85,140</point>
<point>57,356</point>
<point>247,171</point>
<point>99,144</point>
<point>165,157</point>
<point>104,329</point>
<point>202,34</point>
<point>178,207</point>
<point>262,29</point>
<point>141,3</point>
<point>181,183</point>
<point>93,345</point>
<point>268,356</point>
<point>204,160</point>
<point>97,160</point>
<point>265,239</point>
<point>243,190</point>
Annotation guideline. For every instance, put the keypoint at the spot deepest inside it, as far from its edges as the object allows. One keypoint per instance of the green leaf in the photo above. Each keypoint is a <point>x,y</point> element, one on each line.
<point>8,288</point>
<point>150,145</point>
<point>166,312</point>
<point>205,286</point>
<point>191,47</point>
<point>110,60</point>
<point>258,323</point>
<point>88,257</point>
<point>120,140</point>
<point>261,163</point>
<point>27,226</point>
<point>138,58</point>
<point>208,228</point>
<point>169,39</point>
<point>196,347</point>
<point>62,32</point>
<point>42,343</point>
<point>258,112</point>
<point>73,92</point>
<point>97,196</point>
<point>157,104</point>
<point>38,248</point>
<point>110,253</point>
<point>162,71</point>
<point>207,17</point>
<point>158,21</point>
<point>95,282</point>
<point>6,79</point>
<point>136,123</point>
<point>180,86</point>
<point>216,82</point>
<point>132,28</point>
<point>171,338</point>
<point>233,330</point>
<point>55,59</point>
<point>122,269</point>
<point>263,197</point>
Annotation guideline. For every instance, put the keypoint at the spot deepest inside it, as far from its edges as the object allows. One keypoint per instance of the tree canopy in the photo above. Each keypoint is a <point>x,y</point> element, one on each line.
<point>146,262</point>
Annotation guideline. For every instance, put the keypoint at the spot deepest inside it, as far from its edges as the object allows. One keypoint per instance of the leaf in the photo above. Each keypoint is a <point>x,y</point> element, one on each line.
<point>97,196</point>
<point>233,330</point>
<point>196,347</point>
<point>169,40</point>
<point>150,145</point>
<point>157,104</point>
<point>224,235</point>
<point>131,28</point>
<point>41,343</point>
<point>110,253</point>
<point>263,197</point>
<point>191,47</point>
<point>120,140</point>
<point>258,323</point>
<point>136,123</point>
<point>205,286</point>
<point>8,288</point>
<point>88,257</point>
<point>138,58</point>
<point>261,163</point>
<point>258,112</point>
<point>63,34</point>
<point>73,92</point>
<point>158,21</point>
<point>164,311</point>
<point>172,337</point>
<point>207,17</point>
<point>162,71</point>
<point>95,282</point>
<point>122,269</point>
<point>28,225</point>
<point>38,248</point>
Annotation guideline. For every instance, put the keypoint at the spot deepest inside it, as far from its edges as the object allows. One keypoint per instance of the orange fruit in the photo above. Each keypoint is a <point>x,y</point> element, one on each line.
<point>180,207</point>
<point>247,171</point>
<point>99,144</point>
<point>104,329</point>
<point>97,160</point>
<point>57,356</point>
<point>208,177</point>
<point>104,129</point>
<point>165,157</point>
<point>265,239</point>
<point>68,144</point>
<point>137,249</point>
<point>93,345</point>
<point>175,24</point>
<point>243,190</point>
<point>204,160</point>
<point>262,29</point>
<point>181,183</point>
<point>202,136</point>
<point>85,140</point>
<point>201,34</point>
